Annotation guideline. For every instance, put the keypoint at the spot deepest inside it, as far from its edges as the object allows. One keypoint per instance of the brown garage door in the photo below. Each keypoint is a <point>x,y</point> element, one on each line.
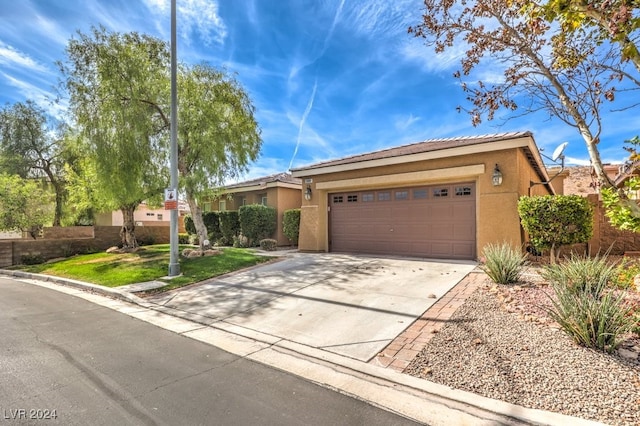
<point>435,221</point>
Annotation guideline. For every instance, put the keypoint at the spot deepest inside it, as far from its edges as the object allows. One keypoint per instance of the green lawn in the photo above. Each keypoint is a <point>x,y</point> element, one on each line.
<point>150,263</point>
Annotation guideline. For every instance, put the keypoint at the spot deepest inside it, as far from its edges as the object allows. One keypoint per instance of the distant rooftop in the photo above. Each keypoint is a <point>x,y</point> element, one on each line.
<point>419,147</point>
<point>263,181</point>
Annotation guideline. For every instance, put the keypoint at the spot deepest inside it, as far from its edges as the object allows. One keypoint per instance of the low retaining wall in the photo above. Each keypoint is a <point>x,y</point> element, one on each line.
<point>13,252</point>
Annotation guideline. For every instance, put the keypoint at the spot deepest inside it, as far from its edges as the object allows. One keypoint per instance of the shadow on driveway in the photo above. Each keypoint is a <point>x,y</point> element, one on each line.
<point>348,304</point>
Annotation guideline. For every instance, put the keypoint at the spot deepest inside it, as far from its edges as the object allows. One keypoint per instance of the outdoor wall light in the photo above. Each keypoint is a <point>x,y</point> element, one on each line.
<point>496,177</point>
<point>307,193</point>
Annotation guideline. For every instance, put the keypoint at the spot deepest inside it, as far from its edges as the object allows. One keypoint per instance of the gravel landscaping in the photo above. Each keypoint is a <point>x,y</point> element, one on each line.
<point>501,344</point>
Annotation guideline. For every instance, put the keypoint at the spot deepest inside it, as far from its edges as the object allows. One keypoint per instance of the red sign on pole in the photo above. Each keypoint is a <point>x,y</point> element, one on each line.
<point>170,199</point>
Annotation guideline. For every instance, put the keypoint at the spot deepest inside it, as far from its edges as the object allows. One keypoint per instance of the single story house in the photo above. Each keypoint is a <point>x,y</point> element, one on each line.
<point>281,191</point>
<point>441,198</point>
<point>144,215</point>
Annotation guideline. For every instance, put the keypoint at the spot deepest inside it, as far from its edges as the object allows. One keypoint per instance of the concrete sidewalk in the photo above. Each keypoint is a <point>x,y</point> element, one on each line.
<point>322,317</point>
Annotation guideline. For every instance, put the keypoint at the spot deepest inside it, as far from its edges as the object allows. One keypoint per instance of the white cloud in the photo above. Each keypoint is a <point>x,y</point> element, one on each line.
<point>403,123</point>
<point>41,97</point>
<point>576,161</point>
<point>199,16</point>
<point>11,57</point>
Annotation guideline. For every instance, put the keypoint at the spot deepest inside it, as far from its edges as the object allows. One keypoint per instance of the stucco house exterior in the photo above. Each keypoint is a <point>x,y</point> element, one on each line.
<point>441,198</point>
<point>281,191</point>
<point>144,215</point>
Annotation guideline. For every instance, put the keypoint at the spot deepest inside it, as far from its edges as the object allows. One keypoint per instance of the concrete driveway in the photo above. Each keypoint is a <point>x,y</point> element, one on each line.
<point>347,304</point>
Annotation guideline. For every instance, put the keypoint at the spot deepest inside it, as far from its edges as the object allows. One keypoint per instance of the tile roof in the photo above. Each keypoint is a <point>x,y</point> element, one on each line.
<point>419,147</point>
<point>278,177</point>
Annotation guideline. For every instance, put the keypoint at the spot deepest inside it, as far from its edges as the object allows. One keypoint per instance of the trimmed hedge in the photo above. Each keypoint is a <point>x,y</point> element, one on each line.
<point>257,222</point>
<point>556,220</point>
<point>268,244</point>
<point>189,225</point>
<point>229,226</point>
<point>212,222</point>
<point>291,225</point>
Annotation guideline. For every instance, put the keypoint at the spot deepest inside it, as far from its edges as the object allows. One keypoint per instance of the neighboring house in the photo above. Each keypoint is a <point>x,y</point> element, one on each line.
<point>144,216</point>
<point>281,191</point>
<point>442,198</point>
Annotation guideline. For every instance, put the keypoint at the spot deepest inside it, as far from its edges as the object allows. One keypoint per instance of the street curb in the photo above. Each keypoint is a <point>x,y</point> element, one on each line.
<point>351,376</point>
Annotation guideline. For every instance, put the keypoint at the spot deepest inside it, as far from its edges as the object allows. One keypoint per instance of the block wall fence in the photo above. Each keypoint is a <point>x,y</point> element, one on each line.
<point>66,241</point>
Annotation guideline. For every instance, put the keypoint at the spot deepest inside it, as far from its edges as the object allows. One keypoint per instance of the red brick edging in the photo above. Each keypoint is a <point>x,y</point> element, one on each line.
<point>401,351</point>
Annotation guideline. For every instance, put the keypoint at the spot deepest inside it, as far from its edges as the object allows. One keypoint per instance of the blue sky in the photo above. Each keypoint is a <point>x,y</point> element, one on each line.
<point>329,78</point>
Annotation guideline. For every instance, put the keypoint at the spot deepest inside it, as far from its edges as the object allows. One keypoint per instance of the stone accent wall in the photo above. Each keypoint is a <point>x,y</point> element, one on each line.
<point>66,232</point>
<point>12,252</point>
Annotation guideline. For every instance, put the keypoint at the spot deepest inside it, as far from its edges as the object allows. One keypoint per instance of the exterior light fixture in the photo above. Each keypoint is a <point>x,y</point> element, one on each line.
<point>307,193</point>
<point>496,177</point>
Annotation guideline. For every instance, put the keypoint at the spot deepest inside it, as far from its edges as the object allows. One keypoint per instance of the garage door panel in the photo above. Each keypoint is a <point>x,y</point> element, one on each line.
<point>406,221</point>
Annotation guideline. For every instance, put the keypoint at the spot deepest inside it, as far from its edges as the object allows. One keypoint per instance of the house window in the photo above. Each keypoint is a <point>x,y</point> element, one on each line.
<point>402,195</point>
<point>337,199</point>
<point>223,205</point>
<point>441,192</point>
<point>151,214</point>
<point>263,200</point>
<point>419,194</point>
<point>352,198</point>
<point>367,197</point>
<point>463,190</point>
<point>206,207</point>
<point>384,196</point>
<point>159,216</point>
<point>243,202</point>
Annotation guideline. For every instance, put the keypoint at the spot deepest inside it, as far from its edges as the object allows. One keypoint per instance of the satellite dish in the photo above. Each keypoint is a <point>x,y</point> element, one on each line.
<point>558,151</point>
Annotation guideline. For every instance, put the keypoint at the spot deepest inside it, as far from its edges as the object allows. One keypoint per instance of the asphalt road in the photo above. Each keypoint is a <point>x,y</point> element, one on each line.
<point>64,360</point>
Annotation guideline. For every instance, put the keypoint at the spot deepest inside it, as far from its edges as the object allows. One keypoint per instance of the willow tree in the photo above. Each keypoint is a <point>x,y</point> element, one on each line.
<point>116,85</point>
<point>24,205</point>
<point>571,87</point>
<point>218,135</point>
<point>33,147</point>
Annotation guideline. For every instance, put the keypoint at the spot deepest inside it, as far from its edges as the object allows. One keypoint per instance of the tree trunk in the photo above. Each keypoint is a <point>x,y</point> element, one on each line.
<point>58,207</point>
<point>552,254</point>
<point>198,222</point>
<point>127,232</point>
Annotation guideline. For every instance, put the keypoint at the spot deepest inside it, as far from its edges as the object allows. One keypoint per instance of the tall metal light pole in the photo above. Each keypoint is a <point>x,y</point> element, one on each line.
<point>174,265</point>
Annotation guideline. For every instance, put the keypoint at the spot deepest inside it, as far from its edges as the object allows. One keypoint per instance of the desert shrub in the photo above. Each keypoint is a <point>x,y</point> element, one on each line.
<point>503,263</point>
<point>625,273</point>
<point>291,225</point>
<point>229,227</point>
<point>183,238</point>
<point>593,317</point>
<point>581,273</point>
<point>268,244</point>
<point>31,259</point>
<point>146,240</point>
<point>257,222</point>
<point>240,241</point>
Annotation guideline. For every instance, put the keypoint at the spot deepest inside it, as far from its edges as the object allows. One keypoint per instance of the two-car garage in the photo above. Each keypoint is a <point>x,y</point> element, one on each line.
<point>436,221</point>
<point>441,198</point>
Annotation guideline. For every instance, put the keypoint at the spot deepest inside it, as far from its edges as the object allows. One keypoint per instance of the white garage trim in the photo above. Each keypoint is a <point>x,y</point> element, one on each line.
<point>405,178</point>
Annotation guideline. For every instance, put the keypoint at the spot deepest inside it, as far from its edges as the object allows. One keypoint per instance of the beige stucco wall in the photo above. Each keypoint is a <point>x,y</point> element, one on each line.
<point>280,197</point>
<point>496,206</point>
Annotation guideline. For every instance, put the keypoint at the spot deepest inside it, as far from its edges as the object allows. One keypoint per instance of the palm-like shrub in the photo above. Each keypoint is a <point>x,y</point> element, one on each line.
<point>581,273</point>
<point>592,314</point>
<point>503,264</point>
